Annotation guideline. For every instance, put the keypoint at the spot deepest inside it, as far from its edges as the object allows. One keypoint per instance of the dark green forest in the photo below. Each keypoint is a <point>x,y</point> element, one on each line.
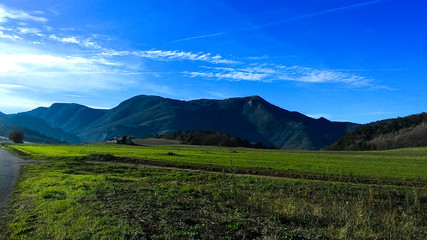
<point>410,131</point>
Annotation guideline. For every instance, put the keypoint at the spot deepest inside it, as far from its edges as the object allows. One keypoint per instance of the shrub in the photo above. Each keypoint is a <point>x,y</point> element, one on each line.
<point>17,136</point>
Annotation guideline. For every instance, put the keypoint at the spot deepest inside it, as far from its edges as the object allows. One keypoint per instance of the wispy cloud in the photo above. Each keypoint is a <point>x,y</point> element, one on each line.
<point>83,42</point>
<point>9,36</point>
<point>12,63</point>
<point>64,39</point>
<point>7,13</point>
<point>270,73</point>
<point>8,88</point>
<point>38,70</point>
<point>34,31</point>
<point>181,55</point>
<point>315,14</point>
<point>232,75</point>
<point>198,37</point>
<point>299,17</point>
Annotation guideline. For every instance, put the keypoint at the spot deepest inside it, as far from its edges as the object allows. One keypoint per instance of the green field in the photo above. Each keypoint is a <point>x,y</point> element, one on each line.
<point>400,165</point>
<point>73,196</point>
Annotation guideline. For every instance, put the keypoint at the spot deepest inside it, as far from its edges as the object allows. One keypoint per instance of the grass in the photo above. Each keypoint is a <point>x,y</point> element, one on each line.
<point>81,200</point>
<point>71,197</point>
<point>402,165</point>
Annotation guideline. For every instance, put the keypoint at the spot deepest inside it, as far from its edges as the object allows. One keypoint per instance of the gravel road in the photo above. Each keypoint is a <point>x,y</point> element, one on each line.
<point>9,172</point>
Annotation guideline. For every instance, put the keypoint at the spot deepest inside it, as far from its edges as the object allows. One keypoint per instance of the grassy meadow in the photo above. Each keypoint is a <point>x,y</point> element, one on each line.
<point>76,196</point>
<point>402,165</point>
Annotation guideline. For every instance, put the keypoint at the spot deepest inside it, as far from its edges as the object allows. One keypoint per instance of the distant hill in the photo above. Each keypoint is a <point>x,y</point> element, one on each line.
<point>30,135</point>
<point>37,125</point>
<point>250,118</point>
<point>69,117</point>
<point>409,131</point>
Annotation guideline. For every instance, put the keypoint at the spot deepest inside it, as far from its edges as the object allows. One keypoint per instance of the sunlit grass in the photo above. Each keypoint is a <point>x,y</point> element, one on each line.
<point>75,199</point>
<point>401,164</point>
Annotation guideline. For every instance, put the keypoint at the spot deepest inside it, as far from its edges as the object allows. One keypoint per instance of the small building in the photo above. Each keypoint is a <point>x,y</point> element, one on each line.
<point>122,140</point>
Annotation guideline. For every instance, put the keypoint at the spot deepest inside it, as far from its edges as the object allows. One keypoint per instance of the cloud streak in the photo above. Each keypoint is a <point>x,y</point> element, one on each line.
<point>7,13</point>
<point>181,55</point>
<point>198,37</point>
<point>270,73</point>
<point>309,15</point>
<point>315,14</point>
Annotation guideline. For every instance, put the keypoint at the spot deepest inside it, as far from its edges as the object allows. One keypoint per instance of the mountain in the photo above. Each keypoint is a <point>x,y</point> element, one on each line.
<point>28,122</point>
<point>250,118</point>
<point>410,131</point>
<point>69,117</point>
<point>30,135</point>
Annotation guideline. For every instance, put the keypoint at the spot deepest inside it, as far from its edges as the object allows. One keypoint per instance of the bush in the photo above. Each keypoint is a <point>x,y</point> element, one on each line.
<point>17,136</point>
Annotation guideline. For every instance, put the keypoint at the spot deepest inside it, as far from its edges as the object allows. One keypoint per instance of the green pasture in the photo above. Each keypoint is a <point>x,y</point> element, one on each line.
<point>408,164</point>
<point>73,196</point>
<point>76,199</point>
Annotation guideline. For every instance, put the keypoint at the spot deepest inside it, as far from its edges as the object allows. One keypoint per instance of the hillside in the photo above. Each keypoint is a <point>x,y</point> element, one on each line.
<point>250,118</point>
<point>30,135</point>
<point>68,116</point>
<point>409,131</point>
<point>37,127</point>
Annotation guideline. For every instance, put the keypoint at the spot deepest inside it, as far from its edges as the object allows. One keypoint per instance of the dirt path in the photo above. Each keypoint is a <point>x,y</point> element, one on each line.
<point>150,166</point>
<point>274,175</point>
<point>9,172</point>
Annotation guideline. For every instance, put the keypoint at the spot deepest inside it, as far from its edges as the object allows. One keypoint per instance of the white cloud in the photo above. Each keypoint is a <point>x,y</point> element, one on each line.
<point>46,72</point>
<point>112,52</point>
<point>34,31</point>
<point>8,88</point>
<point>232,75</point>
<point>180,55</point>
<point>269,73</point>
<point>87,43</point>
<point>310,75</point>
<point>70,40</point>
<point>8,36</point>
<point>12,63</point>
<point>90,44</point>
<point>5,29</point>
<point>65,39</point>
<point>7,13</point>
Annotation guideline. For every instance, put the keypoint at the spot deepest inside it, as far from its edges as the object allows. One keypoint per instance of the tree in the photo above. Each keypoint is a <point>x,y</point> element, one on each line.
<point>16,136</point>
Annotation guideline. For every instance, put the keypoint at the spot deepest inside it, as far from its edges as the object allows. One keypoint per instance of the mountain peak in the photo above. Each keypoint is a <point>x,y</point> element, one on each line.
<point>257,97</point>
<point>67,105</point>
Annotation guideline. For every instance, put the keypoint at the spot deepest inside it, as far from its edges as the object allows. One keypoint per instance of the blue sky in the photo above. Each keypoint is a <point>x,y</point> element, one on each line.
<point>347,60</point>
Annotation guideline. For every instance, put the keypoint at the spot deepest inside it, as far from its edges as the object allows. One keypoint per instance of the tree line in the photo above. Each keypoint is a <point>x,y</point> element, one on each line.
<point>211,138</point>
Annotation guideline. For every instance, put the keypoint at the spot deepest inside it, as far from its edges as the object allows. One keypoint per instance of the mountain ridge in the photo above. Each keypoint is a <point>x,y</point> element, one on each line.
<point>250,117</point>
